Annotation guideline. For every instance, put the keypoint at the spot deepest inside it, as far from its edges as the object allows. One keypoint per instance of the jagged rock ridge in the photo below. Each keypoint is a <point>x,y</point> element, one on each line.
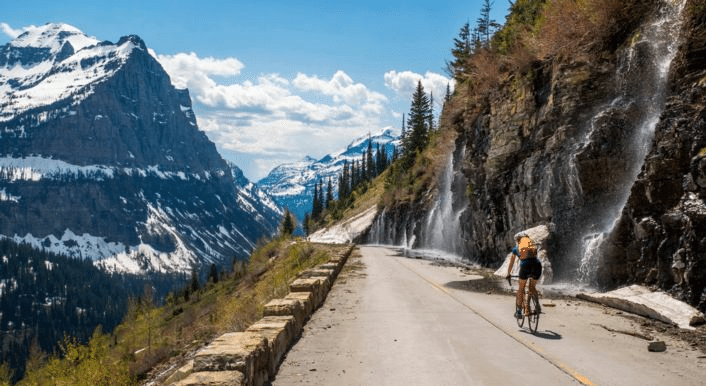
<point>101,157</point>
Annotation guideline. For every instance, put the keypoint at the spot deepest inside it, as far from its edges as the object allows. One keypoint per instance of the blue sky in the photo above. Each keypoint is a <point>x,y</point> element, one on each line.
<point>274,81</point>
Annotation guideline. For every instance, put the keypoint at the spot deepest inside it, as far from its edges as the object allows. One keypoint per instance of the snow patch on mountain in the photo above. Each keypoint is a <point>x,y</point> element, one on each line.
<point>71,65</point>
<point>39,168</point>
<point>292,184</point>
<point>53,36</point>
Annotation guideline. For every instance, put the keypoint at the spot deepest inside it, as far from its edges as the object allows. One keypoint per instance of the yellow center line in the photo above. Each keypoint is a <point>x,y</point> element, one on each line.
<point>530,345</point>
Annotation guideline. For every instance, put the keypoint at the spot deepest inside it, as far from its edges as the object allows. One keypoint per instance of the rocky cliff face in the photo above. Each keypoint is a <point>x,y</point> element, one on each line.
<point>101,158</point>
<point>660,237</point>
<point>608,149</point>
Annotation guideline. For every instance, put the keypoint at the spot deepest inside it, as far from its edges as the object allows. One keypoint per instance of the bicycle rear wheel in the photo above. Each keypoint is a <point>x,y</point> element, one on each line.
<point>533,317</point>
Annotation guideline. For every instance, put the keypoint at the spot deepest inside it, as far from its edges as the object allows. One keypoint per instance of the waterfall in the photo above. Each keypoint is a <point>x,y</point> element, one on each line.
<point>442,229</point>
<point>642,81</point>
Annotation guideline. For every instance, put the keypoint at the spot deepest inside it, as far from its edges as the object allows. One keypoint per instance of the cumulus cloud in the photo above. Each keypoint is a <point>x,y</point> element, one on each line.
<point>404,83</point>
<point>340,87</point>
<point>269,118</point>
<point>188,70</point>
<point>9,31</point>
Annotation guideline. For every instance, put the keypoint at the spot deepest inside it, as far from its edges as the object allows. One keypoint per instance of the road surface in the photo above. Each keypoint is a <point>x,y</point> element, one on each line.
<point>392,320</point>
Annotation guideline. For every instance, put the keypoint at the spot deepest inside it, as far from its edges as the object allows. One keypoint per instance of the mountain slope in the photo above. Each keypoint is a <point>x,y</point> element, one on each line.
<point>292,184</point>
<point>102,158</point>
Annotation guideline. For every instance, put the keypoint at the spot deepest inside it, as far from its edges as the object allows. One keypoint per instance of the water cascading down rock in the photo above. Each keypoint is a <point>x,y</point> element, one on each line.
<point>630,119</point>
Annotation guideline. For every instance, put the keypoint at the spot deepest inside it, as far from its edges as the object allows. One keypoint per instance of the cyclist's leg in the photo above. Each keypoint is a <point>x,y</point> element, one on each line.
<point>520,293</point>
<point>533,292</point>
<point>532,286</point>
<point>536,273</point>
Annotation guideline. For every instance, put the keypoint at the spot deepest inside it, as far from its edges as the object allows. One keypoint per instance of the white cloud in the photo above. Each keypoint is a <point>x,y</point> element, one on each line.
<point>404,83</point>
<point>270,118</point>
<point>9,31</point>
<point>340,87</point>
<point>186,69</point>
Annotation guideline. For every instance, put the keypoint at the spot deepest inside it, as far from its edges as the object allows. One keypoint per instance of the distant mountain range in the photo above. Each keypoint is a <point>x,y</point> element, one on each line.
<point>292,184</point>
<point>101,158</point>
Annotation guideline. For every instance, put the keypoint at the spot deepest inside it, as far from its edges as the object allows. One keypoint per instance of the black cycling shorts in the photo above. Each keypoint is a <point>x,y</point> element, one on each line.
<point>530,268</point>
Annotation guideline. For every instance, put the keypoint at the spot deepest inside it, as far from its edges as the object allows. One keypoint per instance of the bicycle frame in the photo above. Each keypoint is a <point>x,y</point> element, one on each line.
<point>530,308</point>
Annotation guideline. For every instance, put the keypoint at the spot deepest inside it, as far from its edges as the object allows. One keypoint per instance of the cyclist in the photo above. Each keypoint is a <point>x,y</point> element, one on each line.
<point>530,268</point>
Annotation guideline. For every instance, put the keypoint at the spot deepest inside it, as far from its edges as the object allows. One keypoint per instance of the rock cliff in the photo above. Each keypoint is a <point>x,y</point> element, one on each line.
<point>101,158</point>
<point>607,147</point>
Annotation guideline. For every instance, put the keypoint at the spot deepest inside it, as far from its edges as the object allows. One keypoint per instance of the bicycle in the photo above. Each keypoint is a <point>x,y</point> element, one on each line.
<point>531,308</point>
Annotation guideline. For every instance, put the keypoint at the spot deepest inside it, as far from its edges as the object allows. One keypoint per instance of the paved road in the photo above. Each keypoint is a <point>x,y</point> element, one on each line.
<point>391,320</point>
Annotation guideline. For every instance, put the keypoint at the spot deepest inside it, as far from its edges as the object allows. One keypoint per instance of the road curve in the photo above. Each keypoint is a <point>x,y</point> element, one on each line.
<point>391,320</point>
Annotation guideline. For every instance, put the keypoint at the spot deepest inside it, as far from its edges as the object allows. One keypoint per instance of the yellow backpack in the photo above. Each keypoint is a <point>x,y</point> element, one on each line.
<point>528,249</point>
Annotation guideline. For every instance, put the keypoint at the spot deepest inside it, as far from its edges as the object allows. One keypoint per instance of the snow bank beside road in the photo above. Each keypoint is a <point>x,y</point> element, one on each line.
<point>656,305</point>
<point>346,231</point>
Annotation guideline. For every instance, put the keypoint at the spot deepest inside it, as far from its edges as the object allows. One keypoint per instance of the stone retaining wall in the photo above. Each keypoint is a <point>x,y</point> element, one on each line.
<point>251,357</point>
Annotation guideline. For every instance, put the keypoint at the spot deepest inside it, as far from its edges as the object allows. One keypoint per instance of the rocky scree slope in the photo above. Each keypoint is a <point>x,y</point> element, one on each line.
<point>101,158</point>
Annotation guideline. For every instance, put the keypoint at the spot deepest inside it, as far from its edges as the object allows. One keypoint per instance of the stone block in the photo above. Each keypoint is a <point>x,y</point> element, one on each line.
<point>339,261</point>
<point>657,346</point>
<point>306,299</point>
<point>287,307</point>
<point>245,352</point>
<point>181,373</point>
<point>280,332</point>
<point>326,266</point>
<point>317,272</point>
<point>318,286</point>
<point>213,378</point>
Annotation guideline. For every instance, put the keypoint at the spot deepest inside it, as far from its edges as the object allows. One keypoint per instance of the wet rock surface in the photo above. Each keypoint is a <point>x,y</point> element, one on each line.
<point>551,146</point>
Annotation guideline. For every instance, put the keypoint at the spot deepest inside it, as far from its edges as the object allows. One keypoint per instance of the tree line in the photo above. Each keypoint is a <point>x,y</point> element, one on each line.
<point>45,297</point>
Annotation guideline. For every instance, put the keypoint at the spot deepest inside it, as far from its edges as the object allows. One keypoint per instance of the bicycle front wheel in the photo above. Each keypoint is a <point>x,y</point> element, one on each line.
<point>533,317</point>
<point>521,321</point>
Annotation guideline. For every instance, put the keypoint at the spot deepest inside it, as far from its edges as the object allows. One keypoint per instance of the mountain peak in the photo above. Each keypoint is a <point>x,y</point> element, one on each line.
<point>134,39</point>
<point>53,36</point>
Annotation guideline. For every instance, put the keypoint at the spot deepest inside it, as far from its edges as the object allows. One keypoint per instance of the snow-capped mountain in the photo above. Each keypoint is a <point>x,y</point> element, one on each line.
<point>292,184</point>
<point>101,158</point>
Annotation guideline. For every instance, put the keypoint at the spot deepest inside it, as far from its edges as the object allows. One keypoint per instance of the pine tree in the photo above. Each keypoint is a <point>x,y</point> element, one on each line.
<point>213,274</point>
<point>417,122</point>
<point>287,224</point>
<point>431,112</point>
<point>329,194</point>
<point>369,160</point>
<point>316,203</point>
<point>307,224</point>
<point>363,169</point>
<point>322,198</point>
<point>486,26</point>
<point>461,52</point>
<point>195,285</point>
<point>344,185</point>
